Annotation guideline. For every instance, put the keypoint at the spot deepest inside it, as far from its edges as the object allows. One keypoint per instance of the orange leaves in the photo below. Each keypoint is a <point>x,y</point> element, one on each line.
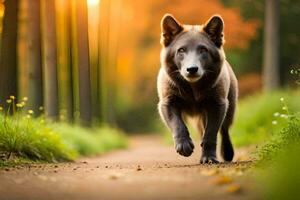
<point>140,33</point>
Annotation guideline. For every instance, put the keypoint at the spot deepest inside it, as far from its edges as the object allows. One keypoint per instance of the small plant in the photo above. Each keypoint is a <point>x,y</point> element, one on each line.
<point>289,135</point>
<point>23,136</point>
<point>259,117</point>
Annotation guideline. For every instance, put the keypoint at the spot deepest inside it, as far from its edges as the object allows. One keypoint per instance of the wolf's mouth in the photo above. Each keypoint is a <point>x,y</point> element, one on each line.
<point>192,78</point>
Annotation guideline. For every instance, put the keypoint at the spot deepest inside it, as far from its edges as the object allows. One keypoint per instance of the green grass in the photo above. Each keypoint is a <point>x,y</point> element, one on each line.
<point>90,141</point>
<point>288,136</point>
<point>281,178</point>
<point>279,163</point>
<point>23,138</point>
<point>255,114</point>
<point>28,138</point>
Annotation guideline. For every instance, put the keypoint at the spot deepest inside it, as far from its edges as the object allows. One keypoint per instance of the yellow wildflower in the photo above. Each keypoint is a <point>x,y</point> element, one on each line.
<point>25,98</point>
<point>8,101</point>
<point>1,108</point>
<point>12,97</point>
<point>41,108</point>
<point>30,112</point>
<point>19,105</point>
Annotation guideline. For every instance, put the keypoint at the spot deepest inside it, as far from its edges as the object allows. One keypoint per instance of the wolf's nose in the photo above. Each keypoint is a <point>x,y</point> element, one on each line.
<point>192,70</point>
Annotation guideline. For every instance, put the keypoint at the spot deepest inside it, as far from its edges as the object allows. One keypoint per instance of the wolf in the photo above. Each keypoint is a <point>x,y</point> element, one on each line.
<point>196,81</point>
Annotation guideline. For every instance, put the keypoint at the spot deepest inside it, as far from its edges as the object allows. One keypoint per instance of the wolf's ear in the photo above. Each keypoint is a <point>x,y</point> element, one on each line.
<point>170,27</point>
<point>214,28</point>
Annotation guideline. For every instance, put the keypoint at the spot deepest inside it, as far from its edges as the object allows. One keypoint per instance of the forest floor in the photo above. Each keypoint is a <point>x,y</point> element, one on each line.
<point>148,169</point>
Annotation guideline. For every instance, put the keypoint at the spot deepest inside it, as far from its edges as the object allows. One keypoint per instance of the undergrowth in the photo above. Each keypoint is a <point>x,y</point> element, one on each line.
<point>279,160</point>
<point>24,138</point>
<point>259,117</point>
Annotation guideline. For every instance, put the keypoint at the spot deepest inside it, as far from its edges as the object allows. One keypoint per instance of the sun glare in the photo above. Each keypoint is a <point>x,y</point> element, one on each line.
<point>93,2</point>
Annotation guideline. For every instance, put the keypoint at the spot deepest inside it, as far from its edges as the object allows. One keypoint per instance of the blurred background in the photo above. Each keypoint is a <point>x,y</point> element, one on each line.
<point>95,61</point>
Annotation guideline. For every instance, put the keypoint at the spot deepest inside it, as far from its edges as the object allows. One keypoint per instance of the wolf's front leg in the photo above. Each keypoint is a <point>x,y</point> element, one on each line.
<point>172,117</point>
<point>215,113</point>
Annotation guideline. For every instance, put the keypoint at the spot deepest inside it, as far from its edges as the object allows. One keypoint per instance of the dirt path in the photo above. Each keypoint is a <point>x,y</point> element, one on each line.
<point>147,170</point>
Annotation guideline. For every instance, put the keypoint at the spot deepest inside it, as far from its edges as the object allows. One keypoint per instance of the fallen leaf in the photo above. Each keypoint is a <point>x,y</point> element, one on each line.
<point>234,188</point>
<point>222,180</point>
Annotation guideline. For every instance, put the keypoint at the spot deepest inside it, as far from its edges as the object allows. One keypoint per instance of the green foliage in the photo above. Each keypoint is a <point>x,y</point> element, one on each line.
<point>287,137</point>
<point>289,37</point>
<point>28,138</point>
<point>23,138</point>
<point>90,141</point>
<point>260,117</point>
<point>279,157</point>
<point>281,162</point>
<point>282,178</point>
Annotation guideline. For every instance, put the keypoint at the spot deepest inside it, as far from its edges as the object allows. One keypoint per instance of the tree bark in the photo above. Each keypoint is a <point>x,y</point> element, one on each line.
<point>50,60</point>
<point>8,57</point>
<point>69,74</point>
<point>271,75</point>
<point>34,64</point>
<point>83,63</point>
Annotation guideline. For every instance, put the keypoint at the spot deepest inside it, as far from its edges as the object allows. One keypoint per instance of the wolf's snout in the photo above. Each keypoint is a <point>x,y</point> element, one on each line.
<point>192,70</point>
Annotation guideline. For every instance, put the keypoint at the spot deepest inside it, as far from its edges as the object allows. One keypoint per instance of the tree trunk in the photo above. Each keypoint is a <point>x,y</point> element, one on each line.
<point>83,63</point>
<point>69,74</point>
<point>106,37</point>
<point>104,11</point>
<point>34,64</point>
<point>50,60</point>
<point>8,57</point>
<point>271,46</point>
<point>93,17</point>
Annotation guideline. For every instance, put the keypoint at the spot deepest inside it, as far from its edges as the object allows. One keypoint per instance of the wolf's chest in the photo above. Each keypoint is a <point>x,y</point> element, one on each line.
<point>191,95</point>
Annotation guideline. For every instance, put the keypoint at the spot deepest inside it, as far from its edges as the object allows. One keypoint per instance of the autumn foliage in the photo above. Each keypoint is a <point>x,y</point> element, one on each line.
<point>138,57</point>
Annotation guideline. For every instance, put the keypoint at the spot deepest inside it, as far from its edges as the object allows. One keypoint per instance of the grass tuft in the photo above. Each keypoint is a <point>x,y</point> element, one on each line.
<point>287,137</point>
<point>91,141</point>
<point>262,116</point>
<point>32,139</point>
<point>24,138</point>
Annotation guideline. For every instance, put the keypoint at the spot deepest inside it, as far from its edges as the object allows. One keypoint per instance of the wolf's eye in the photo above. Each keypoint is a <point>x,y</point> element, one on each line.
<point>181,50</point>
<point>202,49</point>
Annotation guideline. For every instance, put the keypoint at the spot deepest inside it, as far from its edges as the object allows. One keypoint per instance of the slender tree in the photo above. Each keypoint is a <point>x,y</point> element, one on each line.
<point>104,11</point>
<point>69,74</point>
<point>113,44</point>
<point>271,45</point>
<point>107,41</point>
<point>50,60</point>
<point>8,56</point>
<point>93,17</point>
<point>34,63</point>
<point>83,63</point>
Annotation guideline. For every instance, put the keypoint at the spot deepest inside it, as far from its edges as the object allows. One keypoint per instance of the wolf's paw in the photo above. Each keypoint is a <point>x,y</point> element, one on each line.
<point>184,146</point>
<point>208,159</point>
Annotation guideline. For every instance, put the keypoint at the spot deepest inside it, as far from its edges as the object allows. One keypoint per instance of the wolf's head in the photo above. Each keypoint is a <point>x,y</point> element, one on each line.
<point>192,51</point>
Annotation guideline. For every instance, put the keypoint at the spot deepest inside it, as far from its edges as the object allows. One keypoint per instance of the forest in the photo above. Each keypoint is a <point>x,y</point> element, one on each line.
<point>78,80</point>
